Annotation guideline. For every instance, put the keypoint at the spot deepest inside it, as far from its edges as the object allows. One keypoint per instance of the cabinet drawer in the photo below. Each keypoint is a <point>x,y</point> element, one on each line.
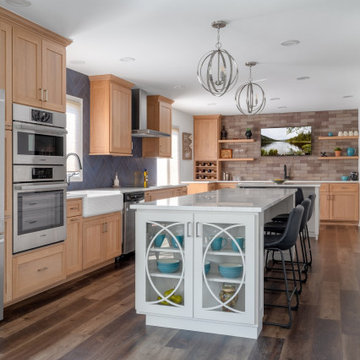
<point>74,208</point>
<point>344,188</point>
<point>38,269</point>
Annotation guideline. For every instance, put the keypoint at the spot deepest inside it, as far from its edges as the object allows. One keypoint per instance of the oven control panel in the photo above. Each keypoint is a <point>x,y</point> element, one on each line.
<point>42,173</point>
<point>41,116</point>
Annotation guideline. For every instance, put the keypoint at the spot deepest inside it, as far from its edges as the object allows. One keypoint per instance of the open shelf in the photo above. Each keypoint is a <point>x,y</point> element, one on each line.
<point>164,249</point>
<point>157,273</point>
<point>235,141</point>
<point>237,159</point>
<point>225,252</point>
<point>220,279</point>
<point>337,137</point>
<point>338,157</point>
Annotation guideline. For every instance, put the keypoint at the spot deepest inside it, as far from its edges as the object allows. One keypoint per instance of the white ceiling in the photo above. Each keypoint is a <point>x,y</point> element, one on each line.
<point>168,37</point>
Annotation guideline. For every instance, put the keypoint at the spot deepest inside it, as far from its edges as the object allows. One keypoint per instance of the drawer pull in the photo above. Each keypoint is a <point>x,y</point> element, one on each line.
<point>42,269</point>
<point>72,220</point>
<point>32,203</point>
<point>74,208</point>
<point>31,221</point>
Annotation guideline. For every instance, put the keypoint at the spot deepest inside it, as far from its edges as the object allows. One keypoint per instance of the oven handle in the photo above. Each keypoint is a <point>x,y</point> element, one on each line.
<point>41,187</point>
<point>40,129</point>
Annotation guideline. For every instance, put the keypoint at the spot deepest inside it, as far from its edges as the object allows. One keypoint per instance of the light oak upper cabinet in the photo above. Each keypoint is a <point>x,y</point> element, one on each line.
<point>110,116</point>
<point>206,136</point>
<point>39,71</point>
<point>6,69</point>
<point>159,117</point>
<point>54,76</point>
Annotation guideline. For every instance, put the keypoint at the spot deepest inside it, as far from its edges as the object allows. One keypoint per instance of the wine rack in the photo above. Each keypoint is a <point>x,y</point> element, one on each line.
<point>206,170</point>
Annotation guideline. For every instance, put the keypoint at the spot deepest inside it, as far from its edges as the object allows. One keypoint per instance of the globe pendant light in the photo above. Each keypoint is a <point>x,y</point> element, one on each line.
<point>217,70</point>
<point>250,97</point>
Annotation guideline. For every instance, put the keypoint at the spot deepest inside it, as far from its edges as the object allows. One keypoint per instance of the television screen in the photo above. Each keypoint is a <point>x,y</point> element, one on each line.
<point>285,141</point>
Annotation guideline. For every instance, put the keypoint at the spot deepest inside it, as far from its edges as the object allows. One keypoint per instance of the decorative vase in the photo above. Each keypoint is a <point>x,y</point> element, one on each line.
<point>226,292</point>
<point>350,151</point>
<point>340,133</point>
<point>330,133</point>
<point>223,134</point>
<point>248,133</point>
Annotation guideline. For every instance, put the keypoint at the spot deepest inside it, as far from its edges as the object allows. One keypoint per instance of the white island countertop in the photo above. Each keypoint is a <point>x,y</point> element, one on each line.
<point>240,200</point>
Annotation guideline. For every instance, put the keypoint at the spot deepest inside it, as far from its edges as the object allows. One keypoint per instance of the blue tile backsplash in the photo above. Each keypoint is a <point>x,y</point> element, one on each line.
<point>99,170</point>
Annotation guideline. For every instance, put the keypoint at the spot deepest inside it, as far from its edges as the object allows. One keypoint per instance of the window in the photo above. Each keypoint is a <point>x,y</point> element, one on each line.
<point>168,170</point>
<point>74,137</point>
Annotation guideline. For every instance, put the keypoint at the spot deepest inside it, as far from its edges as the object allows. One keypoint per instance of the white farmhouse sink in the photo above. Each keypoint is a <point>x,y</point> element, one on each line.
<point>98,202</point>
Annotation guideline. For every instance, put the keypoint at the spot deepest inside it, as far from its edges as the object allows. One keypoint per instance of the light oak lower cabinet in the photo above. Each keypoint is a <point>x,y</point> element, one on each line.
<point>102,239</point>
<point>339,202</point>
<point>73,245</point>
<point>153,195</point>
<point>196,188</point>
<point>8,261</point>
<point>38,269</point>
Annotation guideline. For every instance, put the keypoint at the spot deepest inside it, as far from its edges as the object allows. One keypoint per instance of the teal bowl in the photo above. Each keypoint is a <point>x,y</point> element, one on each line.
<point>168,266</point>
<point>231,271</point>
<point>180,239</point>
<point>241,243</point>
<point>217,244</point>
<point>344,178</point>
<point>159,240</point>
<point>207,267</point>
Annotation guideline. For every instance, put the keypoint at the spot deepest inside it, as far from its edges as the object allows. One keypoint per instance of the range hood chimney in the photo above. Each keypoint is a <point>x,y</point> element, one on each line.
<point>139,116</point>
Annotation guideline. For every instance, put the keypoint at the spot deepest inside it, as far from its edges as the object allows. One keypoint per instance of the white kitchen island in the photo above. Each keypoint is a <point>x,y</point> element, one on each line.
<point>200,219</point>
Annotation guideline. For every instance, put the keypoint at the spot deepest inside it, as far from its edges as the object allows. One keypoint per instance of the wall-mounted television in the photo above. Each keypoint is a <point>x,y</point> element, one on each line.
<point>286,141</point>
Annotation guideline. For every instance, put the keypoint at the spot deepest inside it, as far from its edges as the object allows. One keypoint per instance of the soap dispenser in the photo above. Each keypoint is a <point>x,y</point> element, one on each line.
<point>116,181</point>
<point>146,178</point>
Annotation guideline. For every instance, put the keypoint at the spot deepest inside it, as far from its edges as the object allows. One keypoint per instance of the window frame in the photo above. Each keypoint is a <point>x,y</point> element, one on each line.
<point>79,177</point>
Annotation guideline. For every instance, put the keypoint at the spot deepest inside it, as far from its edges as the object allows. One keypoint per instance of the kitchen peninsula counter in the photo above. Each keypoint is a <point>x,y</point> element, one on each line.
<point>185,230</point>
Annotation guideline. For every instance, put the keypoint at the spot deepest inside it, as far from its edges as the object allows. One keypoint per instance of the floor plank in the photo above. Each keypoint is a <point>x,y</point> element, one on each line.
<point>94,317</point>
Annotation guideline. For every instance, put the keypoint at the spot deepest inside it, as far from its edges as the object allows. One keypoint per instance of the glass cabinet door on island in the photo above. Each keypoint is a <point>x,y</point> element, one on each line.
<point>224,277</point>
<point>165,256</point>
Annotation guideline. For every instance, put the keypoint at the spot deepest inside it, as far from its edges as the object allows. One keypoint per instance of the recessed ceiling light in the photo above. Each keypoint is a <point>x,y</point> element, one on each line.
<point>127,59</point>
<point>347,96</point>
<point>178,86</point>
<point>290,43</point>
<point>274,98</point>
<point>212,104</point>
<point>282,107</point>
<point>19,3</point>
<point>77,62</point>
<point>303,78</point>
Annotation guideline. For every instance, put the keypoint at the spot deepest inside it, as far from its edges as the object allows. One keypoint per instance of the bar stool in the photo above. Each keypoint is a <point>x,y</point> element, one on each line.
<point>299,198</point>
<point>281,243</point>
<point>312,197</point>
<point>279,228</point>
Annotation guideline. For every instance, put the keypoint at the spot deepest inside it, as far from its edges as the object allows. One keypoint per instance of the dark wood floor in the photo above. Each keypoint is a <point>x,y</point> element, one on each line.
<point>94,318</point>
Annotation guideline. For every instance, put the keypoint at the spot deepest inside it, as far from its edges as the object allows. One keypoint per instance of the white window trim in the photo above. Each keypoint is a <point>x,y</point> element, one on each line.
<point>79,177</point>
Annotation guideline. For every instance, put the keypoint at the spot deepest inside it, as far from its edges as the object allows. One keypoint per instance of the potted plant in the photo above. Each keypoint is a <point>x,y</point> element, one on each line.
<point>337,151</point>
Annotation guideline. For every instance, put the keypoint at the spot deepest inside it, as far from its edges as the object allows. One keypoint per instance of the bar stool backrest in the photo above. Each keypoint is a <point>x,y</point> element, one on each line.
<point>312,197</point>
<point>291,232</point>
<point>306,204</point>
<point>299,196</point>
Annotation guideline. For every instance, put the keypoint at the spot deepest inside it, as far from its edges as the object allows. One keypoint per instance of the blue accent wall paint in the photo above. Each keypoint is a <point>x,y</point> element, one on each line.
<point>99,170</point>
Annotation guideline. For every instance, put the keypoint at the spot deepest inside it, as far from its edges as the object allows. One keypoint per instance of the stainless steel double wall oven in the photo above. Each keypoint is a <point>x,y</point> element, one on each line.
<point>39,173</point>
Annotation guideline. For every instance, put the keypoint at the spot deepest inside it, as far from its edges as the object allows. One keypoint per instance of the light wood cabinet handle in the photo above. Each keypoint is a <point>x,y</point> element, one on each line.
<point>46,95</point>
<point>41,94</point>
<point>74,208</point>
<point>42,269</point>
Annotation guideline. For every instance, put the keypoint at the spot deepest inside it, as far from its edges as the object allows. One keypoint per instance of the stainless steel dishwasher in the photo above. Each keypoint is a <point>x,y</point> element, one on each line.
<point>129,220</point>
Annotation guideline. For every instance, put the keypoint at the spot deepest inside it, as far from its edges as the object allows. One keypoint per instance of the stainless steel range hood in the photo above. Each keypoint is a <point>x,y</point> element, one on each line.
<point>139,116</point>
